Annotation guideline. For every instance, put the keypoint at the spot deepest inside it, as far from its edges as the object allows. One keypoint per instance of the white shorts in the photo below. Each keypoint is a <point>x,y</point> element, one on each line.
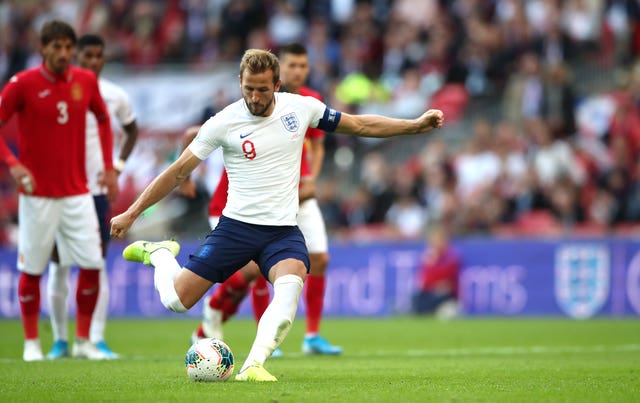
<point>312,226</point>
<point>213,221</point>
<point>71,222</point>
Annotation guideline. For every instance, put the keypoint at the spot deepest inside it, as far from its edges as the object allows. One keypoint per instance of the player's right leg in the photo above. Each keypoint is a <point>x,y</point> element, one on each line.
<point>162,257</point>
<point>39,218</point>
<point>58,291</point>
<point>312,226</point>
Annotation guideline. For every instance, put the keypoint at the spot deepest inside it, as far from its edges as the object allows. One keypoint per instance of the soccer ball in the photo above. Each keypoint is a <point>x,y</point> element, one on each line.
<point>209,360</point>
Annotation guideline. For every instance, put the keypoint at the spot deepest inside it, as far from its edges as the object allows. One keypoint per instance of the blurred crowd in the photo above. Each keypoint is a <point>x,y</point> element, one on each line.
<point>549,157</point>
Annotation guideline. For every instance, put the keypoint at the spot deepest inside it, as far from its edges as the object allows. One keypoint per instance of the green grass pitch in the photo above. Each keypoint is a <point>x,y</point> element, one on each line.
<point>402,359</point>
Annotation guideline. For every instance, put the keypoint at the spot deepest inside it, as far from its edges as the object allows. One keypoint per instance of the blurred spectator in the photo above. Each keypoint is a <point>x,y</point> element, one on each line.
<point>376,178</point>
<point>524,93</point>
<point>513,181</point>
<point>327,195</point>
<point>437,287</point>
<point>238,18</point>
<point>408,99</point>
<point>582,21</point>
<point>559,101</point>
<point>286,25</point>
<point>553,45</point>
<point>436,185</point>
<point>552,158</point>
<point>406,217</point>
<point>477,167</point>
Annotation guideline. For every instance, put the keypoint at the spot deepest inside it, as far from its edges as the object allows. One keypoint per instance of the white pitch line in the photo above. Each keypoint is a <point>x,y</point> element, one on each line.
<point>455,352</point>
<point>523,350</point>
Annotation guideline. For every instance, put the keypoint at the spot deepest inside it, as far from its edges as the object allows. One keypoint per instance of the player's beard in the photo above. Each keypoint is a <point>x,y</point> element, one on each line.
<point>60,65</point>
<point>258,110</point>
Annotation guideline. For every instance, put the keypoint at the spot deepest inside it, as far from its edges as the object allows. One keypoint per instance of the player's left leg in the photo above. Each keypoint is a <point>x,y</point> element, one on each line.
<point>276,320</point>
<point>78,242</point>
<point>58,292</point>
<point>313,342</point>
<point>99,319</point>
<point>312,226</point>
<point>287,261</point>
<point>260,298</point>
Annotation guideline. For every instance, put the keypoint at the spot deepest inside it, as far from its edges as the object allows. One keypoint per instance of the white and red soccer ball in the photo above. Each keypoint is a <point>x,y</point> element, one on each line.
<point>209,360</point>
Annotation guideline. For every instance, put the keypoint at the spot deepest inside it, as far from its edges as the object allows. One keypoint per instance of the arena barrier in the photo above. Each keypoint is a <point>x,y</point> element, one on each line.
<point>579,278</point>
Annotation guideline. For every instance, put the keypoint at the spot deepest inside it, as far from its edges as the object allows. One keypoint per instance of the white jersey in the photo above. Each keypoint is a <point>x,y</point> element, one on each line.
<point>262,156</point>
<point>119,107</point>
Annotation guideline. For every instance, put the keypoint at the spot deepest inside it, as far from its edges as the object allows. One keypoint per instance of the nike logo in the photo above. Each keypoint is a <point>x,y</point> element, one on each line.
<point>44,93</point>
<point>26,298</point>
<point>245,135</point>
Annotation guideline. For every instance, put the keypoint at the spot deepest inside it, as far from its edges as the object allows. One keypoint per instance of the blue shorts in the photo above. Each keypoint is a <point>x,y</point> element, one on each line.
<point>103,210</point>
<point>233,244</point>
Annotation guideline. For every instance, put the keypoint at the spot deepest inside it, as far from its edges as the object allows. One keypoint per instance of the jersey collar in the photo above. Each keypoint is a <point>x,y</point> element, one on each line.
<point>53,77</point>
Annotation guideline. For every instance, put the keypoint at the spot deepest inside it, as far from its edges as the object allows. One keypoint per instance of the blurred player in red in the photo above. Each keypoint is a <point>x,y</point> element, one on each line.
<point>224,302</point>
<point>51,103</point>
<point>438,277</point>
<point>91,56</point>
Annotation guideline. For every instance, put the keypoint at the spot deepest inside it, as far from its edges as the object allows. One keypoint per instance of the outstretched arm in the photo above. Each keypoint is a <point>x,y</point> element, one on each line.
<point>156,191</point>
<point>382,126</point>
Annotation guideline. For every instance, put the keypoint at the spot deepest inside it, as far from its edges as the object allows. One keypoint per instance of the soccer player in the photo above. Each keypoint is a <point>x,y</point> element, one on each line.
<point>223,303</point>
<point>261,137</point>
<point>90,56</point>
<point>51,103</point>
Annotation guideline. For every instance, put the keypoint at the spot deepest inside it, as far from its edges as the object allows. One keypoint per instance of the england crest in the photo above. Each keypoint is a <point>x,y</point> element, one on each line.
<point>290,122</point>
<point>582,278</point>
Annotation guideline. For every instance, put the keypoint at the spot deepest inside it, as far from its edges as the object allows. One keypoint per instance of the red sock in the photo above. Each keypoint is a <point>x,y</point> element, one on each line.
<point>315,300</point>
<point>260,297</point>
<point>228,296</point>
<point>86,298</point>
<point>29,295</point>
<point>200,332</point>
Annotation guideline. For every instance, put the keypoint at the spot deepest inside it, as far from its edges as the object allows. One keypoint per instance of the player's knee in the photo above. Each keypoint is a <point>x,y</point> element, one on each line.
<point>319,263</point>
<point>251,271</point>
<point>174,304</point>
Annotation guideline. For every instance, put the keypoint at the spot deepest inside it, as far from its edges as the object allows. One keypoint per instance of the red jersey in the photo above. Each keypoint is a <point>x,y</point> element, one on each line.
<point>443,268</point>
<point>52,110</point>
<point>219,196</point>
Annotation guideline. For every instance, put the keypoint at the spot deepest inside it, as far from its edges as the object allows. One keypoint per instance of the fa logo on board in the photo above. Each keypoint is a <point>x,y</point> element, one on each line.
<point>582,279</point>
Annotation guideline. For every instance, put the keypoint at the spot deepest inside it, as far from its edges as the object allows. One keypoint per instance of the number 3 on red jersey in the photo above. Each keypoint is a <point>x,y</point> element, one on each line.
<point>63,112</point>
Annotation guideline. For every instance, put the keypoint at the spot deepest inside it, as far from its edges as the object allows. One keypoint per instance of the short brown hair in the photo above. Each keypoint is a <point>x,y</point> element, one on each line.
<point>56,29</point>
<point>294,48</point>
<point>258,61</point>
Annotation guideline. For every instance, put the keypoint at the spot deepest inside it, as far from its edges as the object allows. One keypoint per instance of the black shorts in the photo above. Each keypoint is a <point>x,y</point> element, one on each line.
<point>233,244</point>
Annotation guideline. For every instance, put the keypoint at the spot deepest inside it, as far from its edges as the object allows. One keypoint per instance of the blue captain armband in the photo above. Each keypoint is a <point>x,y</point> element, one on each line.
<point>330,120</point>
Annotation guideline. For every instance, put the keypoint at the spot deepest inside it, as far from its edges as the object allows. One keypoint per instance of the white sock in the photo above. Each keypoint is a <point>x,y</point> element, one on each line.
<point>99,319</point>
<point>166,270</point>
<point>276,320</point>
<point>58,291</point>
